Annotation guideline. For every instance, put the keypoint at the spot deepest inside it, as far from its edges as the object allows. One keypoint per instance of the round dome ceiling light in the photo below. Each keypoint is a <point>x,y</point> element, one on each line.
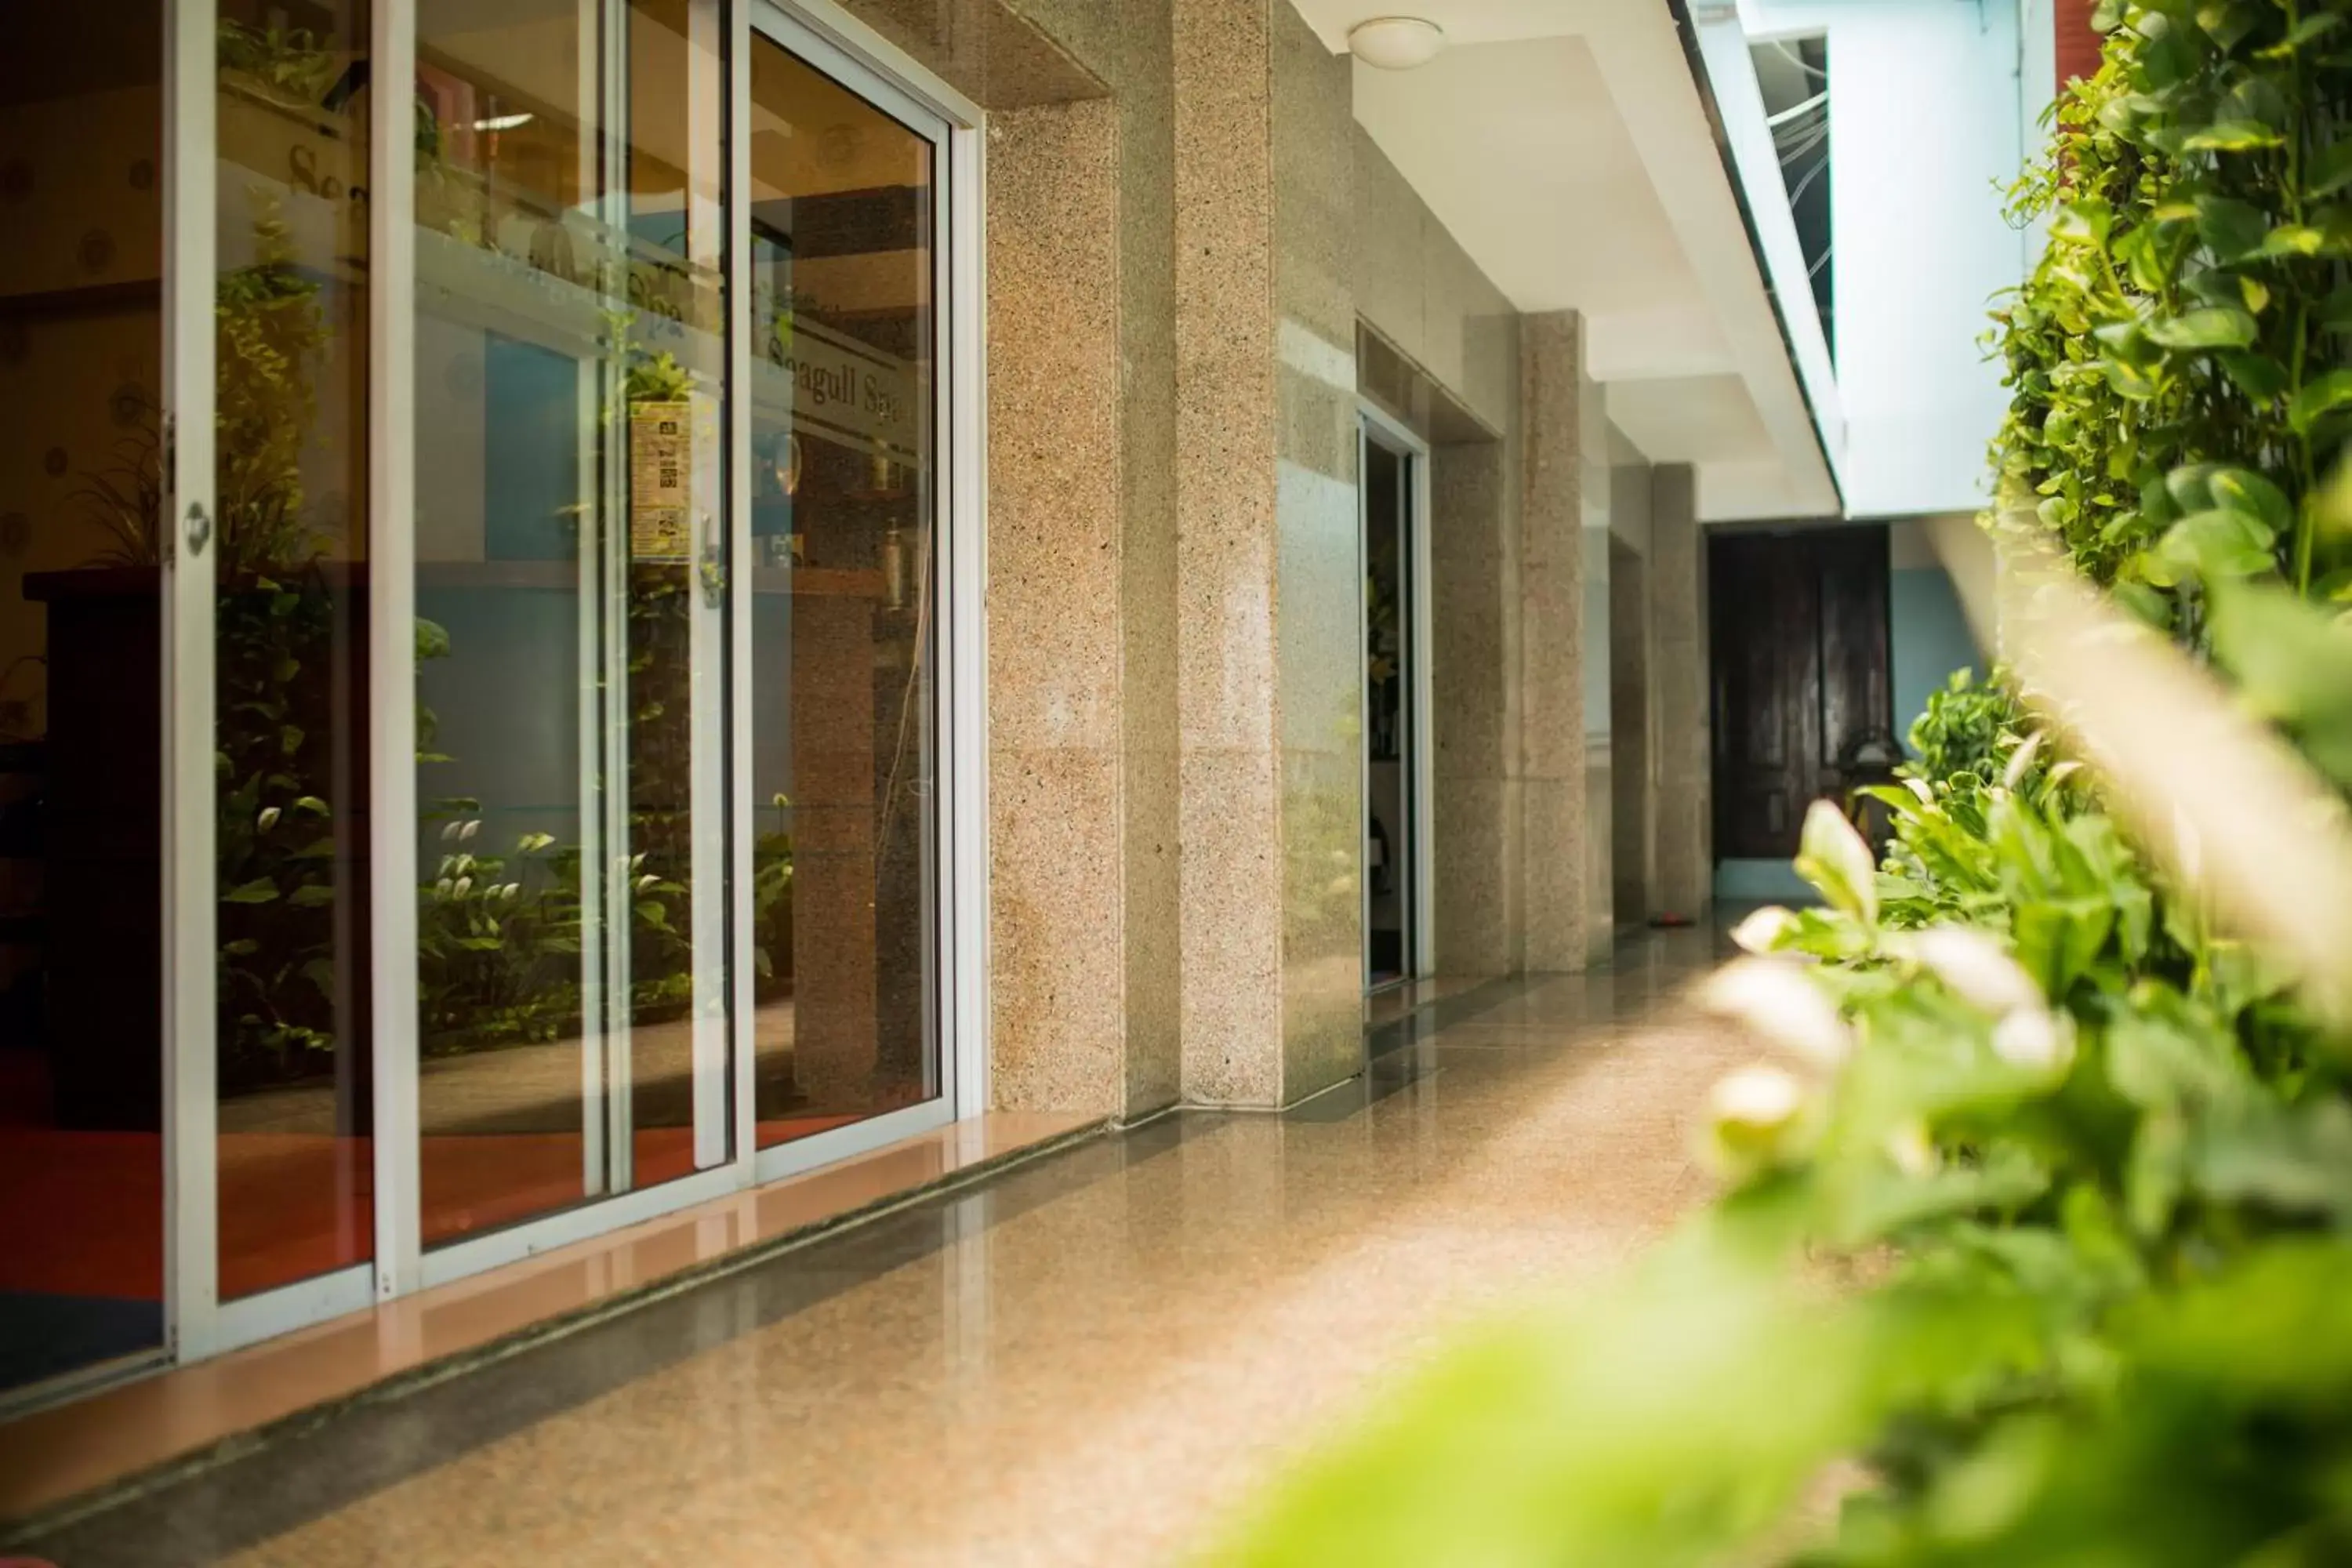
<point>1396,43</point>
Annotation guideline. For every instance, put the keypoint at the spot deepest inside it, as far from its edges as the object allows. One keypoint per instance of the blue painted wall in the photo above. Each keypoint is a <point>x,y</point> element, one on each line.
<point>1930,639</point>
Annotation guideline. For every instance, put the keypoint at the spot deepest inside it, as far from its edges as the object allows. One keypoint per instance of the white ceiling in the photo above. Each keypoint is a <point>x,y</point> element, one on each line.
<point>1564,144</point>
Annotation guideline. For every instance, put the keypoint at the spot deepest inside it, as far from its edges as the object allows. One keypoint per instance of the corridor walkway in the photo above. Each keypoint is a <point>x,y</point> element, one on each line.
<point>1087,1361</point>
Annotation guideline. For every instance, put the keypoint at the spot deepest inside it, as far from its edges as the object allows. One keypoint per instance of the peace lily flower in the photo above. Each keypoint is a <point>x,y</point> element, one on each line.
<point>1919,787</point>
<point>2021,760</point>
<point>1908,1148</point>
<point>1836,860</point>
<point>1765,929</point>
<point>267,819</point>
<point>1976,965</point>
<point>1753,1115</point>
<point>2036,1039</point>
<point>1775,998</point>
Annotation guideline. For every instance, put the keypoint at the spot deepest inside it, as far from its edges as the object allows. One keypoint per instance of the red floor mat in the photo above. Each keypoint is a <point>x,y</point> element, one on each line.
<point>84,1211</point>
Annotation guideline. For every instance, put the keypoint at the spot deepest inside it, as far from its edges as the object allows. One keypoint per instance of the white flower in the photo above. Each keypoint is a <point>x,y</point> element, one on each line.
<point>1753,1114</point>
<point>1978,967</point>
<point>1919,787</point>
<point>1908,1148</point>
<point>1776,998</point>
<point>462,886</point>
<point>1835,859</point>
<point>1765,929</point>
<point>443,887</point>
<point>267,820</point>
<point>2036,1039</point>
<point>449,831</point>
<point>2021,760</point>
<point>470,829</point>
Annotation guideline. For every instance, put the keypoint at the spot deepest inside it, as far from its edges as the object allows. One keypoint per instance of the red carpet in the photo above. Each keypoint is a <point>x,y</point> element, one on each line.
<point>83,1213</point>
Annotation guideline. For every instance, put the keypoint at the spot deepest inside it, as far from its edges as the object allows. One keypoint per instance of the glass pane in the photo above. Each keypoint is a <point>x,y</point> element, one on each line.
<point>1388,695</point>
<point>844,334</point>
<point>290,723</point>
<point>81,1164</point>
<point>571,602</point>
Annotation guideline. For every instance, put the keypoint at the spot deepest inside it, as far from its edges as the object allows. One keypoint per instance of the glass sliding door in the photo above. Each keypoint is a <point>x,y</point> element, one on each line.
<point>82,546</point>
<point>846,190</point>
<point>287,560</point>
<point>1396,765</point>
<point>571,592</point>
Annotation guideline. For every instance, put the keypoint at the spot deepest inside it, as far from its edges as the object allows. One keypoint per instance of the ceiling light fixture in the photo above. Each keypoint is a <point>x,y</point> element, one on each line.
<point>1396,43</point>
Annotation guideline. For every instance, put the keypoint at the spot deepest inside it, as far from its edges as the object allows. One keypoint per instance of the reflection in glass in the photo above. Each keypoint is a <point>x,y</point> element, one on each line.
<point>290,489</point>
<point>82,1161</point>
<point>1388,766</point>
<point>570,593</point>
<point>844,336</point>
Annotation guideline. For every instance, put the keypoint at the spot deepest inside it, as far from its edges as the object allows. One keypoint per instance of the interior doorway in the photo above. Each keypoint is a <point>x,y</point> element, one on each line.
<point>1803,700</point>
<point>1396,873</point>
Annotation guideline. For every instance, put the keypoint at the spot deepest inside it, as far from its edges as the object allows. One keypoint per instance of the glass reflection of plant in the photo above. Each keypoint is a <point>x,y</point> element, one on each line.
<point>661,745</point>
<point>772,905</point>
<point>287,63</point>
<point>275,617</point>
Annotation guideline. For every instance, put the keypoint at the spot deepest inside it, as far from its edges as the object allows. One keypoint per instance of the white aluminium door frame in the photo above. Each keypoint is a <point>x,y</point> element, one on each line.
<point>836,44</point>
<point>190,1025</point>
<point>197,1323</point>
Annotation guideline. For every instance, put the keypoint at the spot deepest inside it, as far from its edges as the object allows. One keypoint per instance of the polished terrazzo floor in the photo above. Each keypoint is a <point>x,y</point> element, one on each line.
<point>1087,1361</point>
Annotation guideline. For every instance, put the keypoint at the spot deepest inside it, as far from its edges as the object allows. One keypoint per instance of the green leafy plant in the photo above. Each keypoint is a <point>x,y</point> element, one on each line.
<point>1962,728</point>
<point>289,63</point>
<point>2035,1224</point>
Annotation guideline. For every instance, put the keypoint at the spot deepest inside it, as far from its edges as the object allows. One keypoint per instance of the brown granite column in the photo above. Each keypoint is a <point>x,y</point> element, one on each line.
<point>1552,782</point>
<point>1473,673</point>
<point>1684,819</point>
<point>1269,580</point>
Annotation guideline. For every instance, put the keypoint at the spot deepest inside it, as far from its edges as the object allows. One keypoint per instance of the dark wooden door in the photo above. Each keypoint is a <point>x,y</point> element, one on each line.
<point>1803,705</point>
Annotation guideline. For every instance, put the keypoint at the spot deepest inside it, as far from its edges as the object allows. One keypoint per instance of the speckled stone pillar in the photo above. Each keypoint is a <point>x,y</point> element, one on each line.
<point>1684,815</point>
<point>1270,579</point>
<point>1474,675</point>
<point>1553,787</point>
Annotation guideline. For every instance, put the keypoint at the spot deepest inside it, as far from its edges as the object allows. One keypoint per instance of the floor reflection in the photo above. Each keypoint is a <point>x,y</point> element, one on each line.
<point>1082,1362</point>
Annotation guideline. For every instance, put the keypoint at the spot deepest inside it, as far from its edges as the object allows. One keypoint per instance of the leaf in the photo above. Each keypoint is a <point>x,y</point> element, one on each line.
<point>2214,327</point>
<point>2304,33</point>
<point>2128,380</point>
<point>2227,25</point>
<point>2085,222</point>
<point>2330,392</point>
<point>2219,544</point>
<point>2290,241</point>
<point>2247,491</point>
<point>2230,228</point>
<point>2330,169</point>
<point>320,973</point>
<point>2257,376</point>
<point>2233,136</point>
<point>2294,664</point>
<point>310,895</point>
<point>260,890</point>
